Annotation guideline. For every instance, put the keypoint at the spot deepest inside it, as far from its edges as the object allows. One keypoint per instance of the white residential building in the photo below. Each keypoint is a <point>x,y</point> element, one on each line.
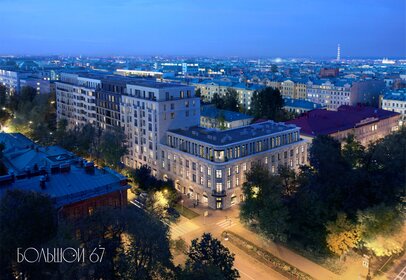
<point>395,101</point>
<point>75,98</point>
<point>209,166</point>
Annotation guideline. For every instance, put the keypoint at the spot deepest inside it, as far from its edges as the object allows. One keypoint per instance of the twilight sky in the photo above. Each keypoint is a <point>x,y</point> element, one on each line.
<point>271,28</point>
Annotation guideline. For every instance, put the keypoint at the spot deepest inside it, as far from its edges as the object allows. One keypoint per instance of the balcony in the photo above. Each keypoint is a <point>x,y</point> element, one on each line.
<point>221,193</point>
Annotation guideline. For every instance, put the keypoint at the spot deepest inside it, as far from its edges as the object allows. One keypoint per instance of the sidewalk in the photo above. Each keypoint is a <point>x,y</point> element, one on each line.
<point>305,265</point>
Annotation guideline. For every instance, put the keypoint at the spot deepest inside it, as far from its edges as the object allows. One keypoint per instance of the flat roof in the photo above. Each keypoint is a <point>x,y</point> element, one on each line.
<point>226,137</point>
<point>209,111</point>
<point>398,95</point>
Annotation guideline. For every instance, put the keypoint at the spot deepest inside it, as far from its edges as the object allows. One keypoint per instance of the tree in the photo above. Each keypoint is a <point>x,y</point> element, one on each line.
<point>231,100</point>
<point>385,165</point>
<point>353,151</point>
<point>209,255</point>
<point>381,226</point>
<point>343,235</point>
<point>27,219</point>
<point>143,178</point>
<point>217,101</point>
<point>137,245</point>
<point>267,103</point>
<point>112,146</point>
<point>264,202</point>
<point>86,138</point>
<point>198,92</point>
<point>3,96</point>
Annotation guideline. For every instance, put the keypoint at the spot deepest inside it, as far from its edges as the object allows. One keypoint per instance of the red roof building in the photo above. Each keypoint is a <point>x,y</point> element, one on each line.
<point>367,124</point>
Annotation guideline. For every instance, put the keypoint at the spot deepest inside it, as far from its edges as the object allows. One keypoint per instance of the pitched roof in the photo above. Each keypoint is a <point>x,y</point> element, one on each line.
<point>323,122</point>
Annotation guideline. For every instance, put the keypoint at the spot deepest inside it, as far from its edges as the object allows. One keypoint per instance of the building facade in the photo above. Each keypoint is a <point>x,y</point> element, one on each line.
<point>161,124</point>
<point>367,124</point>
<point>211,117</point>
<point>395,101</point>
<point>333,94</point>
<point>209,166</point>
<point>76,98</point>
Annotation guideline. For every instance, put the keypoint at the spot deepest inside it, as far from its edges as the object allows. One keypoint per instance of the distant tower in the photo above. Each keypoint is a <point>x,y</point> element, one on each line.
<point>338,52</point>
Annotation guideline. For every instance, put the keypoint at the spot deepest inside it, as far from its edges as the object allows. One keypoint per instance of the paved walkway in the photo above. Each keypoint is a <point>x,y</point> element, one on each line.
<point>220,220</point>
<point>287,255</point>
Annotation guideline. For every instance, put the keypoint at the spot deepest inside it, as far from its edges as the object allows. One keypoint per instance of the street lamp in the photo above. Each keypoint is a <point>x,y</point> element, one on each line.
<point>182,204</point>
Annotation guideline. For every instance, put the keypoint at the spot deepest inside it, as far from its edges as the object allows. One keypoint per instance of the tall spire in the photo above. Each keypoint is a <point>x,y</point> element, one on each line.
<point>338,52</point>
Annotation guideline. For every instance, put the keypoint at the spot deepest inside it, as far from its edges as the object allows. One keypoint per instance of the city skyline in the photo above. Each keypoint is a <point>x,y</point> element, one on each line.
<point>238,28</point>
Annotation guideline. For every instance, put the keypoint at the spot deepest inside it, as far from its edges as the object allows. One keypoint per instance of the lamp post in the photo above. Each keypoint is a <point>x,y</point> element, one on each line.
<point>182,204</point>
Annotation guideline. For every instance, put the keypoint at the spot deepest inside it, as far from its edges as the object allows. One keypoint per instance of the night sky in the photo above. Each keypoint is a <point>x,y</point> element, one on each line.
<point>250,28</point>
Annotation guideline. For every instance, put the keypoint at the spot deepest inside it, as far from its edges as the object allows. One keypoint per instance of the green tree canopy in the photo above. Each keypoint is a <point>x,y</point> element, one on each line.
<point>264,202</point>
<point>209,255</point>
<point>267,103</point>
<point>27,219</point>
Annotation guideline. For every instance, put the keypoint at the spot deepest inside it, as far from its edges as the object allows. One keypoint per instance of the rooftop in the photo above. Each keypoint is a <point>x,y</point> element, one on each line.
<point>73,186</point>
<point>226,137</point>
<point>323,122</point>
<point>300,103</point>
<point>210,111</point>
<point>399,95</point>
<point>69,178</point>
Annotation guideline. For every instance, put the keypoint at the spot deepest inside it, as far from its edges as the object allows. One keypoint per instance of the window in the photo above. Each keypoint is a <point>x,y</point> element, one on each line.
<point>219,187</point>
<point>228,184</point>
<point>244,167</point>
<point>209,171</point>
<point>172,116</point>
<point>237,169</point>
<point>219,173</point>
<point>229,171</point>
<point>266,160</point>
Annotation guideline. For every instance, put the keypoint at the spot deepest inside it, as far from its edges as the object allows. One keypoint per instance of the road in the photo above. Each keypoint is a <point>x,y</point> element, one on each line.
<point>250,268</point>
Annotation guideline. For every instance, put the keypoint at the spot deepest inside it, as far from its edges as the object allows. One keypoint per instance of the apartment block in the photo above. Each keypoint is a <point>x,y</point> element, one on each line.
<point>209,166</point>
<point>333,94</point>
<point>76,98</point>
<point>395,101</point>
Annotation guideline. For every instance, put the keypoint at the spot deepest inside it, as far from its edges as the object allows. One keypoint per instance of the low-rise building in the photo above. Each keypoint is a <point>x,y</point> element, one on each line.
<point>299,106</point>
<point>211,117</point>
<point>75,186</point>
<point>333,94</point>
<point>395,101</point>
<point>367,124</point>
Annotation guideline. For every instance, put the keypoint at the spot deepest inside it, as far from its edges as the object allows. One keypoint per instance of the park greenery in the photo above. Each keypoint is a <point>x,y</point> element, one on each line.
<point>136,244</point>
<point>29,113</point>
<point>349,198</point>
